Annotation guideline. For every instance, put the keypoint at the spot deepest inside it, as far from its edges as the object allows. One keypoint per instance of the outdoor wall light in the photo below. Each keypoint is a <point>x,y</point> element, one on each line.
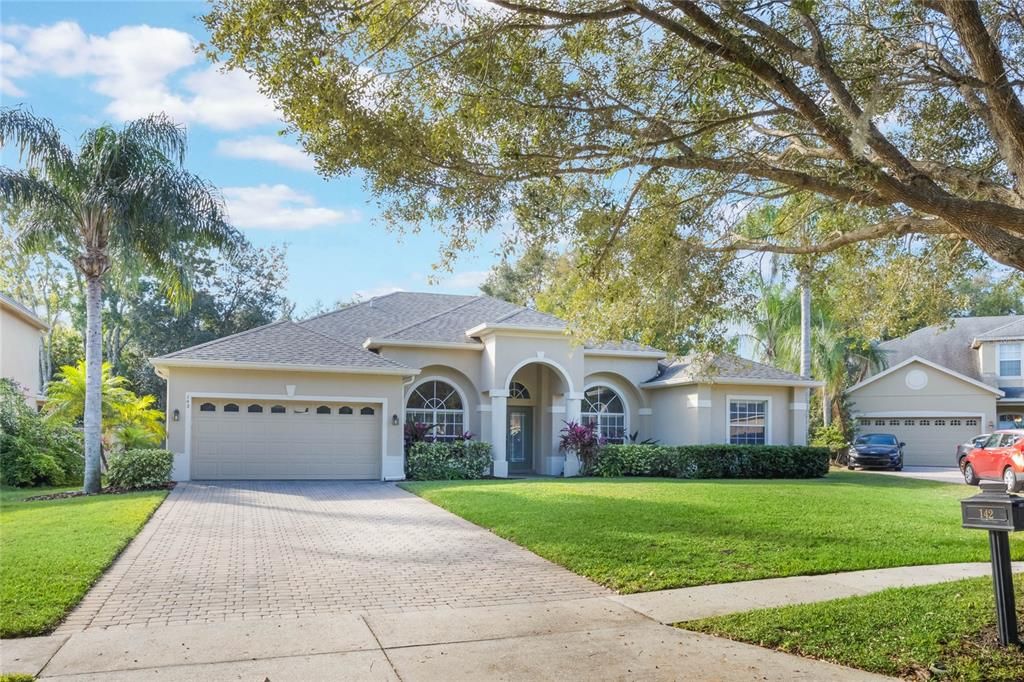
<point>176,415</point>
<point>394,420</point>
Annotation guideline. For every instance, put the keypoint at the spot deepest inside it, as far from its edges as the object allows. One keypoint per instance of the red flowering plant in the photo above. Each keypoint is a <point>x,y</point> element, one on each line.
<point>418,432</point>
<point>581,440</point>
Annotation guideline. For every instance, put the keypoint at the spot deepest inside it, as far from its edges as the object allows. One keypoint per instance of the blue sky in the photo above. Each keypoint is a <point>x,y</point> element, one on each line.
<point>83,63</point>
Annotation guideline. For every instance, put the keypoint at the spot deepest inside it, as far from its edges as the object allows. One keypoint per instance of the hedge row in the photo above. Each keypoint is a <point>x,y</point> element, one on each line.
<point>448,461</point>
<point>713,461</point>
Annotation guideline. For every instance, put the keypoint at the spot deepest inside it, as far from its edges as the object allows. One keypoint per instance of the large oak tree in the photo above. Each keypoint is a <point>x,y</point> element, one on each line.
<point>591,119</point>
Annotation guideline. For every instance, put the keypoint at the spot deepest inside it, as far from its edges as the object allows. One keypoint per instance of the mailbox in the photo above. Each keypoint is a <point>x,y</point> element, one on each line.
<point>993,509</point>
<point>1000,513</point>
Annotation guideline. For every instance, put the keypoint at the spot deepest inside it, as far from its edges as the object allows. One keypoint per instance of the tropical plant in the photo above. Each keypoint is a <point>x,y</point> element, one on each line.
<point>33,450</point>
<point>127,419</point>
<point>124,195</point>
<point>580,440</point>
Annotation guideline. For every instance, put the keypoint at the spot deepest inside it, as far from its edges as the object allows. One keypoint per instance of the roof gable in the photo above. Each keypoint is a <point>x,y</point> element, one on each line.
<point>1011,331</point>
<point>722,369</point>
<point>937,367</point>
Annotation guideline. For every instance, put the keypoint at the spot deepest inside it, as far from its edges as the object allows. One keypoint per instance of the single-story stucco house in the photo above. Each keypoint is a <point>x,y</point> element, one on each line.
<point>21,348</point>
<point>328,397</point>
<point>945,384</point>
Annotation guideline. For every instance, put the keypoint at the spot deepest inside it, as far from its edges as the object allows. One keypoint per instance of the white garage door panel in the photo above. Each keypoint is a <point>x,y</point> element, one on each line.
<point>296,444</point>
<point>930,441</point>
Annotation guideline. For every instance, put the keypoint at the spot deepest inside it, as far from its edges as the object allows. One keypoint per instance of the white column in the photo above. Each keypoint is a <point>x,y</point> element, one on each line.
<point>499,432</point>
<point>798,416</point>
<point>573,403</point>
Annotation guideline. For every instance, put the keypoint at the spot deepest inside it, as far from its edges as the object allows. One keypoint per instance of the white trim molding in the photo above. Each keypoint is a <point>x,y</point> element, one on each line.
<point>693,401</point>
<point>543,361</point>
<point>767,415</point>
<point>380,342</point>
<point>798,406</point>
<point>645,411</point>
<point>520,329</point>
<point>383,402</point>
<point>617,353</point>
<point>928,363</point>
<point>668,383</point>
<point>890,414</point>
<point>283,366</point>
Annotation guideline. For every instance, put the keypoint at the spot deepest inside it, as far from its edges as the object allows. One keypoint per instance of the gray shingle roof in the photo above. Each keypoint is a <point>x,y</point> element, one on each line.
<point>1011,331</point>
<point>949,345</point>
<point>286,343</point>
<point>719,369</point>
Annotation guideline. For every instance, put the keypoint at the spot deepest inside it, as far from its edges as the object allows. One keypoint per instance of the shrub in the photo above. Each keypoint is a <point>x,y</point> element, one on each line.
<point>713,461</point>
<point>34,450</point>
<point>834,439</point>
<point>581,440</point>
<point>140,468</point>
<point>447,460</point>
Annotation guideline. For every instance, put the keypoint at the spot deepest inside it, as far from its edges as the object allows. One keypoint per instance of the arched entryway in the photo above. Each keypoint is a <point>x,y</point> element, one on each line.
<point>538,398</point>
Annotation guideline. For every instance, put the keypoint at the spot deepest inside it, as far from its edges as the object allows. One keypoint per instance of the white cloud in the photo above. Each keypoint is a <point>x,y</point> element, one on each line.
<point>134,67</point>
<point>279,207</point>
<point>468,280</point>
<point>266,148</point>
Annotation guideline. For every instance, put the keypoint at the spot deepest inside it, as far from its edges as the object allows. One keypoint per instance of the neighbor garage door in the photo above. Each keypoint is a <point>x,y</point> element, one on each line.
<point>930,441</point>
<point>258,439</point>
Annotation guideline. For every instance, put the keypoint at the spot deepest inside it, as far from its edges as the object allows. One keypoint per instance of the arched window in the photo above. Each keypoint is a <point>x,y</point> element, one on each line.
<point>437,404</point>
<point>207,407</point>
<point>604,408</point>
<point>255,408</point>
<point>323,409</point>
<point>366,411</point>
<point>231,407</point>
<point>345,410</point>
<point>277,409</point>
<point>518,392</point>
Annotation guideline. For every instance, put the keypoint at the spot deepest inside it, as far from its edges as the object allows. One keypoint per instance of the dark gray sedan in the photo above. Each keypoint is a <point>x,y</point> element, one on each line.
<point>880,450</point>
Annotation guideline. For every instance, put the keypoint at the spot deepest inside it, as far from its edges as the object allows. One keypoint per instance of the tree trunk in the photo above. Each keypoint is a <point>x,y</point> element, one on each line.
<point>805,327</point>
<point>826,407</point>
<point>93,375</point>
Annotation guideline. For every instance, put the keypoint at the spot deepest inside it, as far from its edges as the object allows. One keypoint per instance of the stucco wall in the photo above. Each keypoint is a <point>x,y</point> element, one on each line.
<point>20,346</point>
<point>989,353</point>
<point>505,352</point>
<point>695,414</point>
<point>182,381</point>
<point>944,395</point>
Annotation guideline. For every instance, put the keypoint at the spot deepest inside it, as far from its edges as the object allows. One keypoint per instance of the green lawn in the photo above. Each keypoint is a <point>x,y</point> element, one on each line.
<point>52,552</point>
<point>903,631</point>
<point>636,535</point>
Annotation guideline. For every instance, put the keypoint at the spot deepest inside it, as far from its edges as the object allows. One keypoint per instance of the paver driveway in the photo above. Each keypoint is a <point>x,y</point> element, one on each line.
<point>289,549</point>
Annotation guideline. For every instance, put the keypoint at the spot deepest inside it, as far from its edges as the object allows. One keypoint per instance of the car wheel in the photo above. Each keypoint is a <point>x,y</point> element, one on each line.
<point>898,467</point>
<point>1010,479</point>
<point>969,476</point>
<point>850,467</point>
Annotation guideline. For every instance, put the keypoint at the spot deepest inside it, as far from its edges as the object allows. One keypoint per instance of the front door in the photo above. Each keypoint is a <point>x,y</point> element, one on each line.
<point>520,439</point>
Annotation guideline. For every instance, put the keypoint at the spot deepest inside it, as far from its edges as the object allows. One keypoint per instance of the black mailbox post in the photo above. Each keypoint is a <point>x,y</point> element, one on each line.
<point>1000,513</point>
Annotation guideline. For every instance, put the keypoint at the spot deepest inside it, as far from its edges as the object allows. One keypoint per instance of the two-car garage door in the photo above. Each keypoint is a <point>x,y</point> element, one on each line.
<point>930,441</point>
<point>261,439</point>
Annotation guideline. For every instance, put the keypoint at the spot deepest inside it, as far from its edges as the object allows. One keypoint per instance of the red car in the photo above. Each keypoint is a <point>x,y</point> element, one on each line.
<point>1000,457</point>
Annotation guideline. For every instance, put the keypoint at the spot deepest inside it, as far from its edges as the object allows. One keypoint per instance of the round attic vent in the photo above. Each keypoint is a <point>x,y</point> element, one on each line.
<point>916,379</point>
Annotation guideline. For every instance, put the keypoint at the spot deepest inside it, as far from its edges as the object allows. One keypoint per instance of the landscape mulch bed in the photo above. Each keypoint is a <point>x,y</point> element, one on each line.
<point>105,491</point>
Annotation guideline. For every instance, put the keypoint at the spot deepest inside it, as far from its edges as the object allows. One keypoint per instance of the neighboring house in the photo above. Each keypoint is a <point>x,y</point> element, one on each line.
<point>21,348</point>
<point>944,385</point>
<point>328,397</point>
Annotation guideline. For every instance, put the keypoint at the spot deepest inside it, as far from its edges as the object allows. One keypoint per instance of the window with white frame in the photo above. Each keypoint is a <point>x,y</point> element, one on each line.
<point>1009,359</point>
<point>748,421</point>
<point>437,404</point>
<point>603,408</point>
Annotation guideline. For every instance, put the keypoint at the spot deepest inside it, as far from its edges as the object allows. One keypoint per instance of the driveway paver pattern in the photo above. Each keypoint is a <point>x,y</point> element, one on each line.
<point>261,550</point>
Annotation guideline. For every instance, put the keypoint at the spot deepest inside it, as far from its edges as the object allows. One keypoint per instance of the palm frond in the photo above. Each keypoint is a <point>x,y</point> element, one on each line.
<point>159,132</point>
<point>37,139</point>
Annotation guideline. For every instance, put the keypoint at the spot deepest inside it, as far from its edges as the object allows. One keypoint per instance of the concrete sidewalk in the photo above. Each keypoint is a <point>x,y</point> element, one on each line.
<point>592,638</point>
<point>691,603</point>
<point>616,637</point>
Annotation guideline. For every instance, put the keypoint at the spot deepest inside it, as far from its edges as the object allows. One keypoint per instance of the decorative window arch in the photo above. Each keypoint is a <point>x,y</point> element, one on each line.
<point>605,409</point>
<point>517,391</point>
<point>345,410</point>
<point>277,409</point>
<point>254,408</point>
<point>323,409</point>
<point>231,407</point>
<point>366,411</point>
<point>207,407</point>
<point>438,404</point>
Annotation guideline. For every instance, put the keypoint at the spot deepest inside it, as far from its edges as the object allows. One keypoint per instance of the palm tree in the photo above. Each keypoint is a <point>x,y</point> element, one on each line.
<point>124,197</point>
